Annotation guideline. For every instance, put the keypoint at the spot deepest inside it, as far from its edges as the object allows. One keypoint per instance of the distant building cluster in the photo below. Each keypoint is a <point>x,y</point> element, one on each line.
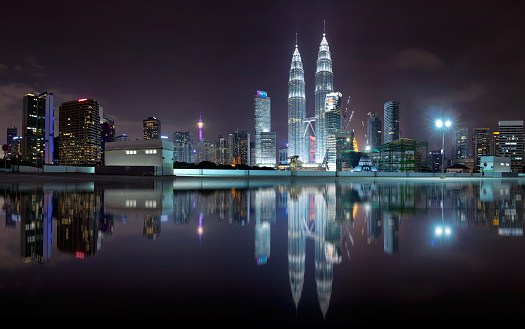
<point>321,142</point>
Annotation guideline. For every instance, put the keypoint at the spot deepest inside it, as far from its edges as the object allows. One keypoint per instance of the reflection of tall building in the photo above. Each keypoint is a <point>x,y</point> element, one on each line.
<point>511,210</point>
<point>323,267</point>
<point>391,231</point>
<point>151,226</point>
<point>36,210</point>
<point>265,214</point>
<point>78,222</point>
<point>373,224</point>
<point>296,243</point>
<point>239,207</point>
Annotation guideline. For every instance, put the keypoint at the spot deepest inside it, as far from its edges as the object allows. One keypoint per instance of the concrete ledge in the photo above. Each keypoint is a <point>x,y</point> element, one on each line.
<point>69,169</point>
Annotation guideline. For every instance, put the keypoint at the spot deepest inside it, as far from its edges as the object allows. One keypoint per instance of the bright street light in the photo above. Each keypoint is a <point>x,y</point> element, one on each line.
<point>439,124</point>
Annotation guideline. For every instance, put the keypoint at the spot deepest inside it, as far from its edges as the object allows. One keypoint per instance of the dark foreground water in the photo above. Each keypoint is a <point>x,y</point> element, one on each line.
<point>307,252</point>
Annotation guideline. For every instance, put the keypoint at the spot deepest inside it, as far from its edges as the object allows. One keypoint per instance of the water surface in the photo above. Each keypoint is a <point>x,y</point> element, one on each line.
<point>299,252</point>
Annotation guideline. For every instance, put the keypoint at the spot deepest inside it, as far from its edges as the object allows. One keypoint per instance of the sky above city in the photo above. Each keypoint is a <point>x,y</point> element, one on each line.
<point>463,60</point>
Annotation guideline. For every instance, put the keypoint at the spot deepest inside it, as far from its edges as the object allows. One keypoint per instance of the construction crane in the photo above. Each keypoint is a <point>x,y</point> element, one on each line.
<point>346,114</point>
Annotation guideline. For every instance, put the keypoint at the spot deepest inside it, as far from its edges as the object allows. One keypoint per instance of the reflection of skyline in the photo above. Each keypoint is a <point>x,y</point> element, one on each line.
<point>321,216</point>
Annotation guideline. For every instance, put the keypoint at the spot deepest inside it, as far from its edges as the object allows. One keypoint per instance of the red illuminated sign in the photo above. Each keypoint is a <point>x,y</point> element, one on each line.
<point>82,100</point>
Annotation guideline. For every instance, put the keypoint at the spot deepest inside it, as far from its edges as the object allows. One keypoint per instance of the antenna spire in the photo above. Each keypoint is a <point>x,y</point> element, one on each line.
<point>296,39</point>
<point>324,25</point>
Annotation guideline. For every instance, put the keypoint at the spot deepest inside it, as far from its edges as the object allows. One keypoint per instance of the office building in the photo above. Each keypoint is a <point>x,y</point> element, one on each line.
<point>391,124</point>
<point>79,133</point>
<point>38,128</point>
<point>481,144</point>
<point>11,132</point>
<point>434,159</point>
<point>204,151</point>
<point>16,146</point>
<point>460,146</point>
<point>323,86</point>
<point>373,131</point>
<point>222,151</point>
<point>151,128</point>
<point>263,126</point>
<point>511,143</point>
<point>296,108</point>
<point>268,151</point>
<point>183,146</point>
<point>141,153</point>
<point>239,143</point>
<point>333,126</point>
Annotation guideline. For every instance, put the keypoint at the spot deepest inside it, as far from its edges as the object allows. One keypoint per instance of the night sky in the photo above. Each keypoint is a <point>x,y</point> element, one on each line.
<point>170,59</point>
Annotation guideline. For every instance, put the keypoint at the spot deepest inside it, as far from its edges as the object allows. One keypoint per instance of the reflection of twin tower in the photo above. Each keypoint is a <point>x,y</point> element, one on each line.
<point>298,136</point>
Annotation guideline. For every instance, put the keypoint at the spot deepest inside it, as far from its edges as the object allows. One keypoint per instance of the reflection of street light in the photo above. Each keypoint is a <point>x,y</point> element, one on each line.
<point>442,125</point>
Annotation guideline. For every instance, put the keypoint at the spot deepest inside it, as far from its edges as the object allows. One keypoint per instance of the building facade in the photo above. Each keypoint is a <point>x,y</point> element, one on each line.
<point>323,86</point>
<point>373,131</point>
<point>38,128</point>
<point>263,125</point>
<point>79,133</point>
<point>333,126</point>
<point>460,146</point>
<point>391,124</point>
<point>11,132</point>
<point>239,143</point>
<point>511,143</point>
<point>151,128</point>
<point>183,146</point>
<point>481,145</point>
<point>268,151</point>
<point>296,108</point>
<point>222,151</point>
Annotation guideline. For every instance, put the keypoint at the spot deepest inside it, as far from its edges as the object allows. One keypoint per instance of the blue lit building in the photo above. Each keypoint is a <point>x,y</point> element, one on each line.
<point>296,108</point>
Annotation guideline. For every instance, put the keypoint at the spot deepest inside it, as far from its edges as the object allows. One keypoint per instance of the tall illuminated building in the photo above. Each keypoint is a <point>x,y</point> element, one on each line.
<point>373,131</point>
<point>296,108</point>
<point>460,146</point>
<point>511,143</point>
<point>239,144</point>
<point>38,128</point>
<point>333,126</point>
<point>323,86</point>
<point>222,151</point>
<point>183,146</point>
<point>11,132</point>
<point>391,124</point>
<point>79,126</point>
<point>264,139</point>
<point>151,128</point>
<point>481,145</point>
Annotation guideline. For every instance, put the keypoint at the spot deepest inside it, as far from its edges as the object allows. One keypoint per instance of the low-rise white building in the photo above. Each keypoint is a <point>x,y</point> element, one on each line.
<point>494,164</point>
<point>148,152</point>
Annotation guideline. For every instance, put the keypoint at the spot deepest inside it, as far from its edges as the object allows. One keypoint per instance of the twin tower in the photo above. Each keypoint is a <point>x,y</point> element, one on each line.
<point>298,139</point>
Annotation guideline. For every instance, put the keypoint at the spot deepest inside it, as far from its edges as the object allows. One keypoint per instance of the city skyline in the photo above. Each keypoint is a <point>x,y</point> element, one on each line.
<point>433,60</point>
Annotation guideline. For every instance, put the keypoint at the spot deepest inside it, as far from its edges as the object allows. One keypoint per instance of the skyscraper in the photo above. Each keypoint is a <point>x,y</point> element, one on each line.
<point>511,143</point>
<point>183,146</point>
<point>296,108</point>
<point>222,151</point>
<point>373,131</point>
<point>323,86</point>
<point>38,128</point>
<point>263,125</point>
<point>151,128</point>
<point>391,124</point>
<point>11,132</point>
<point>239,143</point>
<point>460,146</point>
<point>333,126</point>
<point>79,131</point>
<point>481,145</point>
